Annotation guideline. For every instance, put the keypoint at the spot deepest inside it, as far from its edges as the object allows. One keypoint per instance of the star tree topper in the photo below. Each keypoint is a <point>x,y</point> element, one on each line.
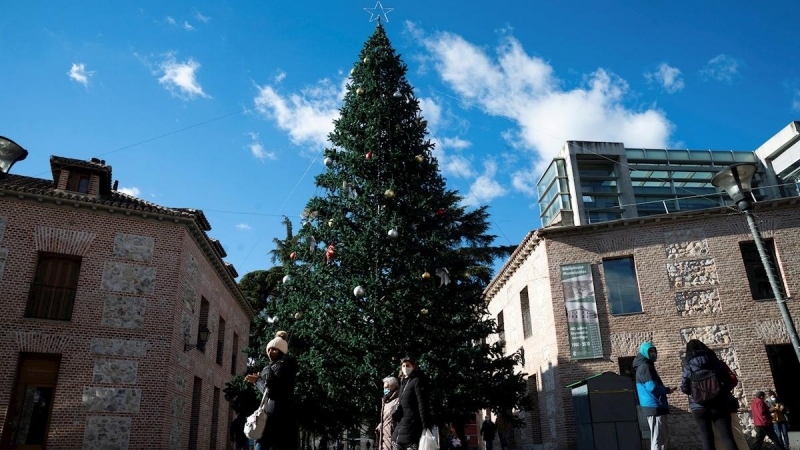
<point>377,16</point>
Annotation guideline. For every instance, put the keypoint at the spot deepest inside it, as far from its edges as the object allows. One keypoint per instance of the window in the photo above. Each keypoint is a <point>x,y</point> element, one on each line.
<point>78,182</point>
<point>214,420</point>
<point>32,401</point>
<point>527,329</point>
<point>756,274</point>
<point>234,353</point>
<point>501,327</point>
<point>622,286</point>
<point>194,418</point>
<point>203,323</point>
<point>53,290</point>
<point>626,366</point>
<point>220,341</point>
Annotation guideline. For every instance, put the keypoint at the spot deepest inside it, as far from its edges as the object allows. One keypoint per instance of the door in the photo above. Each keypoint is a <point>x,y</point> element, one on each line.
<point>785,367</point>
<point>31,404</point>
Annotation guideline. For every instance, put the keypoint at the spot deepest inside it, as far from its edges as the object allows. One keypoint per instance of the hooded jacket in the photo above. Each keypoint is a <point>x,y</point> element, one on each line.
<point>651,390</point>
<point>414,405</point>
<point>703,364</point>
<point>760,411</point>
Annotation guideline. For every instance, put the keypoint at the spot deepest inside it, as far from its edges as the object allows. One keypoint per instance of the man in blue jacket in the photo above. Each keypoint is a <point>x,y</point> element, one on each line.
<point>652,394</point>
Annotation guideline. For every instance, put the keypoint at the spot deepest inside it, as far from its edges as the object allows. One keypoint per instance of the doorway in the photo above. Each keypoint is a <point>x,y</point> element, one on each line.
<point>28,418</point>
<point>785,367</point>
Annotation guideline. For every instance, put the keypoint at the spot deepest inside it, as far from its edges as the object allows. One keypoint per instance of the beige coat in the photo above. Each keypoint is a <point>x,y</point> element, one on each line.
<point>386,425</point>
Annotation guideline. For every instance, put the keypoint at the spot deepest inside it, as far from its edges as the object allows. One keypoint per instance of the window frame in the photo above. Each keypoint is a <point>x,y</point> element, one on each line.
<point>610,292</point>
<point>525,309</point>
<point>62,277</point>
<point>772,252</point>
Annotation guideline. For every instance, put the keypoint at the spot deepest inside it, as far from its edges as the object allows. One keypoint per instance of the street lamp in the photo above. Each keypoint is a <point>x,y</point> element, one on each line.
<point>202,338</point>
<point>10,152</point>
<point>735,180</point>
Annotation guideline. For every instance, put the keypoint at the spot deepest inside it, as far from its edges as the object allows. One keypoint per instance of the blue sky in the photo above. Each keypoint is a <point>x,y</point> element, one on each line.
<point>224,106</point>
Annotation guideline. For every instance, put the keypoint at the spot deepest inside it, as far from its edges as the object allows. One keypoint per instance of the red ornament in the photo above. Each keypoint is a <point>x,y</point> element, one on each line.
<point>293,255</point>
<point>329,254</point>
<point>369,155</point>
<point>440,212</point>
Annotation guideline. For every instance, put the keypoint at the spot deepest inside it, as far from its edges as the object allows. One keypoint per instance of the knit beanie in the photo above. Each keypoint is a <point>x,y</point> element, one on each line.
<point>279,344</point>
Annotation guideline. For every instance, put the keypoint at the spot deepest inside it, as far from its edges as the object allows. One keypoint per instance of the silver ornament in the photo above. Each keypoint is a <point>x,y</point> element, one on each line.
<point>286,279</point>
<point>397,94</point>
<point>328,161</point>
<point>393,233</point>
<point>359,291</point>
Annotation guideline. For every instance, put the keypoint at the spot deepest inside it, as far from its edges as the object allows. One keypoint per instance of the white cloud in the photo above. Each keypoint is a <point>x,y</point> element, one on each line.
<point>243,227</point>
<point>721,68</point>
<point>456,164</point>
<point>486,188</point>
<point>525,90</point>
<point>79,74</point>
<point>670,78</point>
<point>456,143</point>
<point>187,26</point>
<point>179,77</point>
<point>796,101</point>
<point>132,191</point>
<point>307,117</point>
<point>169,20</point>
<point>279,77</point>
<point>431,111</point>
<point>257,149</point>
<point>201,17</point>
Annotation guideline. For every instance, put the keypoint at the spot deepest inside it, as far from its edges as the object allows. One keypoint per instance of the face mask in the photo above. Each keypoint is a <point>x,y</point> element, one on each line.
<point>385,391</point>
<point>772,398</point>
<point>407,371</point>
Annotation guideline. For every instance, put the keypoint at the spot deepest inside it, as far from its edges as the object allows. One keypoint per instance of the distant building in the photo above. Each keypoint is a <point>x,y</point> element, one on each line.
<point>667,278</point>
<point>105,298</point>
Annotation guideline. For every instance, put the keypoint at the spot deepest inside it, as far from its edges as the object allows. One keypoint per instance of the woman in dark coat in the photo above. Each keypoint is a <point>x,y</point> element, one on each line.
<point>702,363</point>
<point>278,380</point>
<point>413,415</point>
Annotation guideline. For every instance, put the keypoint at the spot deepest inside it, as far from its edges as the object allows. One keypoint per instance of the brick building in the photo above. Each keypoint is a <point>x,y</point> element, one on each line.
<point>636,247</point>
<point>105,301</point>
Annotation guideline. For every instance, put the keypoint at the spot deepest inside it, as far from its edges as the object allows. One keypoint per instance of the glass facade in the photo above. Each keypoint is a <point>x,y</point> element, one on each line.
<point>600,188</point>
<point>553,190</point>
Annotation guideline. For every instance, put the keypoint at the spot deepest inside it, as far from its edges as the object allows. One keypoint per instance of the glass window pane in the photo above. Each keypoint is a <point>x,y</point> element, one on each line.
<point>622,286</point>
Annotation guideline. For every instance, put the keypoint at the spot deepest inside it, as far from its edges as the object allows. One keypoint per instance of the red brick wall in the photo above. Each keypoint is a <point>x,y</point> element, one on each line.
<point>159,369</point>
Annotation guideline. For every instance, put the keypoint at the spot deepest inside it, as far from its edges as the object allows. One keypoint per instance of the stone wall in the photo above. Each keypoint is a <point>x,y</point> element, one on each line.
<point>115,371</point>
<point>699,301</point>
<point>3,251</point>
<point>683,274</point>
<point>681,244</point>
<point>123,312</point>
<point>121,400</point>
<point>107,433</point>
<point>119,347</point>
<point>133,247</point>
<point>128,278</point>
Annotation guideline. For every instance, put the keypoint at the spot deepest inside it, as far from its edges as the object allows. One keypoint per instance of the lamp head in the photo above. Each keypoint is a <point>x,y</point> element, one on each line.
<point>736,181</point>
<point>10,152</point>
<point>202,334</point>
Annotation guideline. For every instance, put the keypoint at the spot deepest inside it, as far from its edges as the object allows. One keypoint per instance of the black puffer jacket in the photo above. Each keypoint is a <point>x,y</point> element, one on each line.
<point>704,364</point>
<point>281,431</point>
<point>414,405</point>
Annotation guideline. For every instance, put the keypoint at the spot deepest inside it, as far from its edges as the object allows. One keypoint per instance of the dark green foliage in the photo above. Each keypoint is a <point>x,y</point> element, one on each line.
<point>347,344</point>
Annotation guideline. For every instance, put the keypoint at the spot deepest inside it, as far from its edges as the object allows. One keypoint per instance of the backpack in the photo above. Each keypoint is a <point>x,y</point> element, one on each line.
<point>707,387</point>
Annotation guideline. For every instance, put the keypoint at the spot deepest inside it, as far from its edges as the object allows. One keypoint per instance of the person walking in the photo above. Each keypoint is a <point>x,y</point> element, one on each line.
<point>413,415</point>
<point>488,431</point>
<point>707,383</point>
<point>389,402</point>
<point>762,419</point>
<point>652,395</point>
<point>277,382</point>
<point>779,422</point>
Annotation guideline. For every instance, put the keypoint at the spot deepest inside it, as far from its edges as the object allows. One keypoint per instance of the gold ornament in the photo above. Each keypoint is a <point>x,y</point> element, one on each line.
<point>424,311</point>
<point>330,223</point>
<point>360,91</point>
<point>298,315</point>
<point>389,193</point>
<point>366,59</point>
<point>426,275</point>
<point>419,158</point>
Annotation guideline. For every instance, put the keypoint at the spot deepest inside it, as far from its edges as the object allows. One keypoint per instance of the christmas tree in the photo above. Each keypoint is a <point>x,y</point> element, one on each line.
<point>388,263</point>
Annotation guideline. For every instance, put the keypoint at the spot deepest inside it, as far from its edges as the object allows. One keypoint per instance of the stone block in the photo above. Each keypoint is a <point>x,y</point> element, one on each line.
<point>189,296</point>
<point>712,336</point>
<point>701,301</point>
<point>123,312</point>
<point>133,247</point>
<point>689,243</point>
<point>112,399</point>
<point>119,347</point>
<point>186,327</point>
<point>3,222</point>
<point>627,344</point>
<point>192,268</point>
<point>180,382</point>
<point>177,406</point>
<point>3,259</point>
<point>122,277</point>
<point>176,435</point>
<point>107,433</point>
<point>773,331</point>
<point>683,274</point>
<point>118,371</point>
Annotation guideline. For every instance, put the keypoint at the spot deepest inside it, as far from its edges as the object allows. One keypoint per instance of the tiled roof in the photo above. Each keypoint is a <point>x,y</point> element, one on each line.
<point>39,186</point>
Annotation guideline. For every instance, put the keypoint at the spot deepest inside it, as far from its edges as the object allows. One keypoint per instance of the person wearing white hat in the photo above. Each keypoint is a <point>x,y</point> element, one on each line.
<point>277,382</point>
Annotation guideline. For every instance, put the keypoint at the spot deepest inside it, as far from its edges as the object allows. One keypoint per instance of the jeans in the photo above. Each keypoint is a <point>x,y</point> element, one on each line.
<point>658,432</point>
<point>709,419</point>
<point>782,431</point>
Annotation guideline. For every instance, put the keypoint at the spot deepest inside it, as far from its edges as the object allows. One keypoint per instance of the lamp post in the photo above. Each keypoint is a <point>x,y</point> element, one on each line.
<point>10,152</point>
<point>735,180</point>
